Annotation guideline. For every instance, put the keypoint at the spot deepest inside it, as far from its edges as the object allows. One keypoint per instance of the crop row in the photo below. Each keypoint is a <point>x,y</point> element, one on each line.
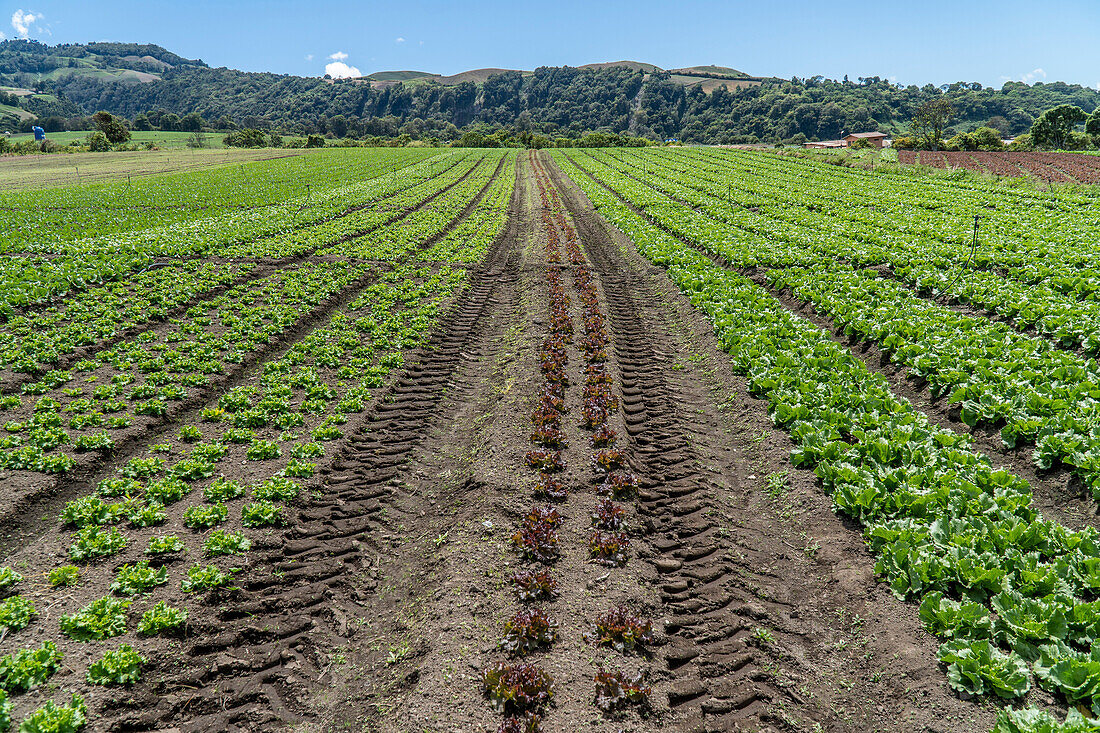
<point>1013,596</point>
<point>75,411</point>
<point>469,240</point>
<point>208,493</point>
<point>523,690</point>
<point>360,220</point>
<point>30,219</point>
<point>394,241</point>
<point>32,279</point>
<point>1041,395</point>
<point>38,340</point>
<point>1031,293</point>
<point>1041,238</point>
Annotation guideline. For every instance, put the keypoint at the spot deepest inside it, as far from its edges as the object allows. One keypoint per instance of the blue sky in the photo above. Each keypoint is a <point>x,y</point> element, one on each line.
<point>981,41</point>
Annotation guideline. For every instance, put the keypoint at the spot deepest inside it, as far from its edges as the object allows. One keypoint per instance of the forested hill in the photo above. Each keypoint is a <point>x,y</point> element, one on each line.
<point>618,98</point>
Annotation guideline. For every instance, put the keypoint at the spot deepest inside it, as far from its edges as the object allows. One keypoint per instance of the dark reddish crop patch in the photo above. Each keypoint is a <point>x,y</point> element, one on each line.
<point>528,630</point>
<point>517,688</point>
<point>534,585</point>
<point>609,548</point>
<point>614,691</point>
<point>621,630</point>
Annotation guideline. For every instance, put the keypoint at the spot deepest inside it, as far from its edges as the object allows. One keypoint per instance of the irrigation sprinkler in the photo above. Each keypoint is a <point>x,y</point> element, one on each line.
<point>969,258</point>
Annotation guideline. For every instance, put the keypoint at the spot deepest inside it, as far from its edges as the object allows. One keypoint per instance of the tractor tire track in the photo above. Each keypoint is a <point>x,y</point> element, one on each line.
<point>716,670</point>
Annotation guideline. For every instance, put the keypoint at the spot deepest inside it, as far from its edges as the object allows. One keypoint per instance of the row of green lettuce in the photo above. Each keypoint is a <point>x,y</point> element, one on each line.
<point>35,340</point>
<point>1041,394</point>
<point>51,269</point>
<point>1029,237</point>
<point>1011,595</point>
<point>65,214</point>
<point>1039,286</point>
<point>1045,285</point>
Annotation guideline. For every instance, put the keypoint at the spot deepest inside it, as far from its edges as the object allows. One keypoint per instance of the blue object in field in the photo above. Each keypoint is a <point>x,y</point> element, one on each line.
<point>39,133</point>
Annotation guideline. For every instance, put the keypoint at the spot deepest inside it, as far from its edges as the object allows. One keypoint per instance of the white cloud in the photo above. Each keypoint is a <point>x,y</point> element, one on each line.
<point>340,70</point>
<point>1033,75</point>
<point>399,39</point>
<point>309,57</point>
<point>22,22</point>
<point>338,56</point>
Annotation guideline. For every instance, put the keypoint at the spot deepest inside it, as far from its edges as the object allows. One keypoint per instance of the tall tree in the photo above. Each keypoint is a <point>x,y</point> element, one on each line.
<point>929,122</point>
<point>1092,126</point>
<point>1054,126</point>
<point>111,126</point>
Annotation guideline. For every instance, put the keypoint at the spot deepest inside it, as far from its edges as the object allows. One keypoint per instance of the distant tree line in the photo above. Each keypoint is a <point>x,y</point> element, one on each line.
<point>569,102</point>
<point>1064,127</point>
<point>549,104</point>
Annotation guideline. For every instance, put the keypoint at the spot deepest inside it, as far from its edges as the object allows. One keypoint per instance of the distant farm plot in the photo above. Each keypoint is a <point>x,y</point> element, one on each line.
<point>51,171</point>
<point>167,140</point>
<point>1051,167</point>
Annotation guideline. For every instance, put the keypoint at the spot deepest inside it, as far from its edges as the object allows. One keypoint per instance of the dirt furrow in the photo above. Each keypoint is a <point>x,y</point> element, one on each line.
<point>775,621</point>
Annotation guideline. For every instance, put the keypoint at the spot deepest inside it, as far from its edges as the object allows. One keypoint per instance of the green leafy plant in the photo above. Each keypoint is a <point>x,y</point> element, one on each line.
<point>190,434</point>
<point>167,490</point>
<point>16,613</point>
<point>101,619</point>
<point>164,545</point>
<point>162,619</point>
<point>97,441</point>
<point>299,469</point>
<point>277,488</point>
<point>221,542</point>
<point>28,668</point>
<point>90,510</point>
<point>64,576</point>
<point>94,542</point>
<point>120,487</point>
<point>204,516</point>
<point>192,469</point>
<point>116,667</point>
<point>209,452</point>
<point>978,667</point>
<point>138,578</point>
<point>54,718</point>
<point>262,450</point>
<point>201,578</point>
<point>140,468</point>
<point>222,489</point>
<point>8,578</point>
<point>148,515</point>
<point>305,451</point>
<point>263,514</point>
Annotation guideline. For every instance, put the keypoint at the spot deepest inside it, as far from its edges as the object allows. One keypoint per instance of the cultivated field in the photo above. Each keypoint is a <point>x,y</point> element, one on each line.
<point>1050,167</point>
<point>608,440</point>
